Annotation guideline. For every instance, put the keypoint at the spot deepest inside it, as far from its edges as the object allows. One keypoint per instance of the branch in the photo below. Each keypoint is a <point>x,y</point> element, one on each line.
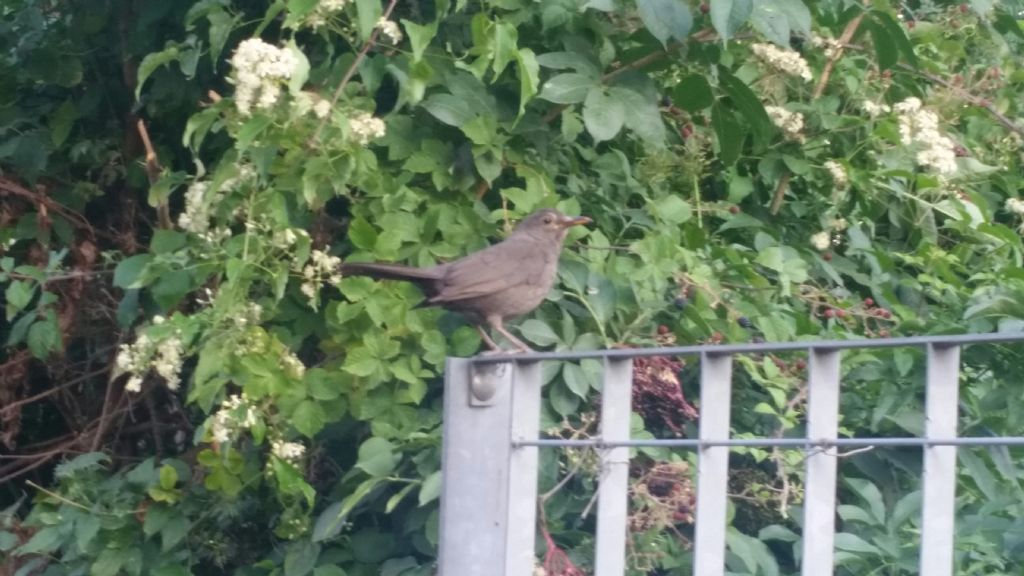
<point>370,43</point>
<point>153,170</point>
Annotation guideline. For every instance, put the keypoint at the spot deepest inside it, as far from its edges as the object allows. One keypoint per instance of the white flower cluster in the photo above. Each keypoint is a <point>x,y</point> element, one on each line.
<point>821,241</point>
<point>165,357</point>
<point>791,123</point>
<point>251,314</point>
<point>293,365</point>
<point>235,414</point>
<point>306,102</point>
<point>324,10</point>
<point>838,172</point>
<point>199,204</point>
<point>874,109</point>
<point>782,60</point>
<point>285,239</point>
<point>390,29</point>
<point>289,451</point>
<point>322,267</point>
<point>1015,205</point>
<point>259,70</point>
<point>364,127</point>
<point>920,128</point>
<point>831,45</point>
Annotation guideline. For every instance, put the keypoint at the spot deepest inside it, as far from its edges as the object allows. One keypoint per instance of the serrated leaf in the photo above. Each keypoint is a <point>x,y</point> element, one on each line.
<point>538,332</point>
<point>568,88</point>
<point>448,109</point>
<point>665,19</point>
<point>728,16</point>
<point>377,457</point>
<point>603,114</point>
<point>430,490</point>
<point>693,93</point>
<point>128,272</point>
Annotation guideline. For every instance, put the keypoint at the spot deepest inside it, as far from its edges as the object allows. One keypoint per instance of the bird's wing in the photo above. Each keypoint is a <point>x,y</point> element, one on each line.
<point>502,266</point>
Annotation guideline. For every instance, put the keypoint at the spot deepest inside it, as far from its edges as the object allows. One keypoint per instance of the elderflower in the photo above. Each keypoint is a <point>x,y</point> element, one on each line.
<point>322,108</point>
<point>324,10</point>
<point>791,123</point>
<point>236,414</point>
<point>364,127</point>
<point>783,60</point>
<point>1015,205</point>
<point>821,241</point>
<point>322,267</point>
<point>165,357</point>
<point>874,109</point>
<point>290,451</point>
<point>919,129</point>
<point>838,172</point>
<point>390,29</point>
<point>259,70</point>
<point>196,217</point>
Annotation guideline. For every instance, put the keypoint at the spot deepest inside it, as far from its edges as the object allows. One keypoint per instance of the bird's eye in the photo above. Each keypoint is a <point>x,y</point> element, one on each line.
<point>547,219</point>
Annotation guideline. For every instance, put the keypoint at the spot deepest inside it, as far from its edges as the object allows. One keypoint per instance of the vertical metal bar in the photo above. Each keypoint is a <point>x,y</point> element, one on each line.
<point>820,485</point>
<point>612,498</point>
<point>712,464</point>
<point>474,462</point>
<point>520,554</point>
<point>939,491</point>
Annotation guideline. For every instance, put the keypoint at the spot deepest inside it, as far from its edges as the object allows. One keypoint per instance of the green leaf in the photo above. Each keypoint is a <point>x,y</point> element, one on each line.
<point>329,570</point>
<point>309,418</point>
<point>173,532</point>
<point>749,105</point>
<point>529,77</point>
<point>152,62</point>
<point>569,60</point>
<point>86,528</point>
<point>129,271</point>
<point>693,93</point>
<point>329,523</point>
<point>603,114</point>
<point>665,19</point>
<point>61,122</point>
<point>852,543</point>
<point>886,50</point>
<point>575,379</point>
<point>538,332</point>
<point>301,558</point>
<point>300,70</point>
<point>420,36</point>
<point>168,477</point>
<point>45,540</point>
<point>360,362</point>
<point>44,336</point>
<point>368,12</point>
<point>167,241</point>
<point>897,34</point>
<point>505,46</point>
<point>362,234</point>
<point>19,294</point>
<point>377,457</point>
<point>448,109</point>
<point>672,209</point>
<point>562,400</point>
<point>729,134</point>
<point>776,19</point>
<point>728,16</point>
<point>431,488</point>
<point>251,130</point>
<point>569,88</point>
<point>642,115</point>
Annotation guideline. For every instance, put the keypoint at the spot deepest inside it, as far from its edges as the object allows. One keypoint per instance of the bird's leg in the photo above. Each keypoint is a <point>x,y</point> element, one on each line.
<point>496,323</point>
<point>487,339</point>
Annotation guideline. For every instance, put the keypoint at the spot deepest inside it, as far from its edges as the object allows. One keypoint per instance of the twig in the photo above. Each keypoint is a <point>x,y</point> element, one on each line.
<point>153,170</point>
<point>370,43</point>
<point>51,391</point>
<point>975,100</point>
<point>780,192</point>
<point>847,34</point>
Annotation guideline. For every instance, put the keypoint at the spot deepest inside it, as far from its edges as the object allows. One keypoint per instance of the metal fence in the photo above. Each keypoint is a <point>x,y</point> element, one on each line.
<point>491,441</point>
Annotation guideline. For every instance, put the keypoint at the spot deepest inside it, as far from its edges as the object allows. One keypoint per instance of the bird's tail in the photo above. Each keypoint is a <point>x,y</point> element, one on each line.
<point>382,271</point>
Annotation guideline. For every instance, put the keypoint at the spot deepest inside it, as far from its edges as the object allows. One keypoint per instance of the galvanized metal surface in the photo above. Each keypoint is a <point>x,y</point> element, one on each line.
<point>488,509</point>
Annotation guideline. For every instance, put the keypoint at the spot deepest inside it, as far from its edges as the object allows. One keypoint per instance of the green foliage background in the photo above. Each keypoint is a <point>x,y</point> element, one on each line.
<point>649,116</point>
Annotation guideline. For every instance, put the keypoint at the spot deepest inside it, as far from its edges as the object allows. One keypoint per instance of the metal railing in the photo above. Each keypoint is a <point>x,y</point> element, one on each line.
<point>491,441</point>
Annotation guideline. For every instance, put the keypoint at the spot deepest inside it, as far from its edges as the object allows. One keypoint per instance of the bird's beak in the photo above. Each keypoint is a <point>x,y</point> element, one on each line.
<point>570,221</point>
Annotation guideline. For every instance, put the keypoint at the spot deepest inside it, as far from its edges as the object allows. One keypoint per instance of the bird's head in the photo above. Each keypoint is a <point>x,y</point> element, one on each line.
<point>549,224</point>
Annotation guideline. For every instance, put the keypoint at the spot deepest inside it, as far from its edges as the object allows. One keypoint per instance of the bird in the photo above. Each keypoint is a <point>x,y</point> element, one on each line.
<point>504,280</point>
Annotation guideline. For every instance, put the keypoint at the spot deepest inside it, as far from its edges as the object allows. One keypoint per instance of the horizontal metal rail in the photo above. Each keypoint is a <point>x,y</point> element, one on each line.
<point>754,348</point>
<point>773,442</point>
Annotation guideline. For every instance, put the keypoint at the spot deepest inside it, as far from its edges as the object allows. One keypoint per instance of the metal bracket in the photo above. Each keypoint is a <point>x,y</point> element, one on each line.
<point>489,382</point>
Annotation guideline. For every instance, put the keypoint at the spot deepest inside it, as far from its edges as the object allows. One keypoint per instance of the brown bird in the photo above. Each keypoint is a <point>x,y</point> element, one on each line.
<point>508,279</point>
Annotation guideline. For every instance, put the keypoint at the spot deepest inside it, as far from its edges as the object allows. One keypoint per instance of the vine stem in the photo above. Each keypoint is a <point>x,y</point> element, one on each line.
<point>370,43</point>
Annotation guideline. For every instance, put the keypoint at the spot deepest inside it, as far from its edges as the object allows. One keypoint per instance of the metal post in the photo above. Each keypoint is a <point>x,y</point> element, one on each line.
<point>712,464</point>
<point>613,496</point>
<point>475,465</point>
<point>939,491</point>
<point>820,485</point>
<point>520,553</point>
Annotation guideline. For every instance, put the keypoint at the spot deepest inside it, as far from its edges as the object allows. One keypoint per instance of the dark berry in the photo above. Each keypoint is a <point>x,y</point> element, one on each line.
<point>686,131</point>
<point>910,24</point>
<point>829,313</point>
<point>801,364</point>
<point>662,329</point>
<point>705,8</point>
<point>887,74</point>
<point>883,333</point>
<point>841,313</point>
<point>964,8</point>
<point>827,256</point>
<point>734,209</point>
<point>680,302</point>
<point>745,322</point>
<point>869,302</point>
<point>886,314</point>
